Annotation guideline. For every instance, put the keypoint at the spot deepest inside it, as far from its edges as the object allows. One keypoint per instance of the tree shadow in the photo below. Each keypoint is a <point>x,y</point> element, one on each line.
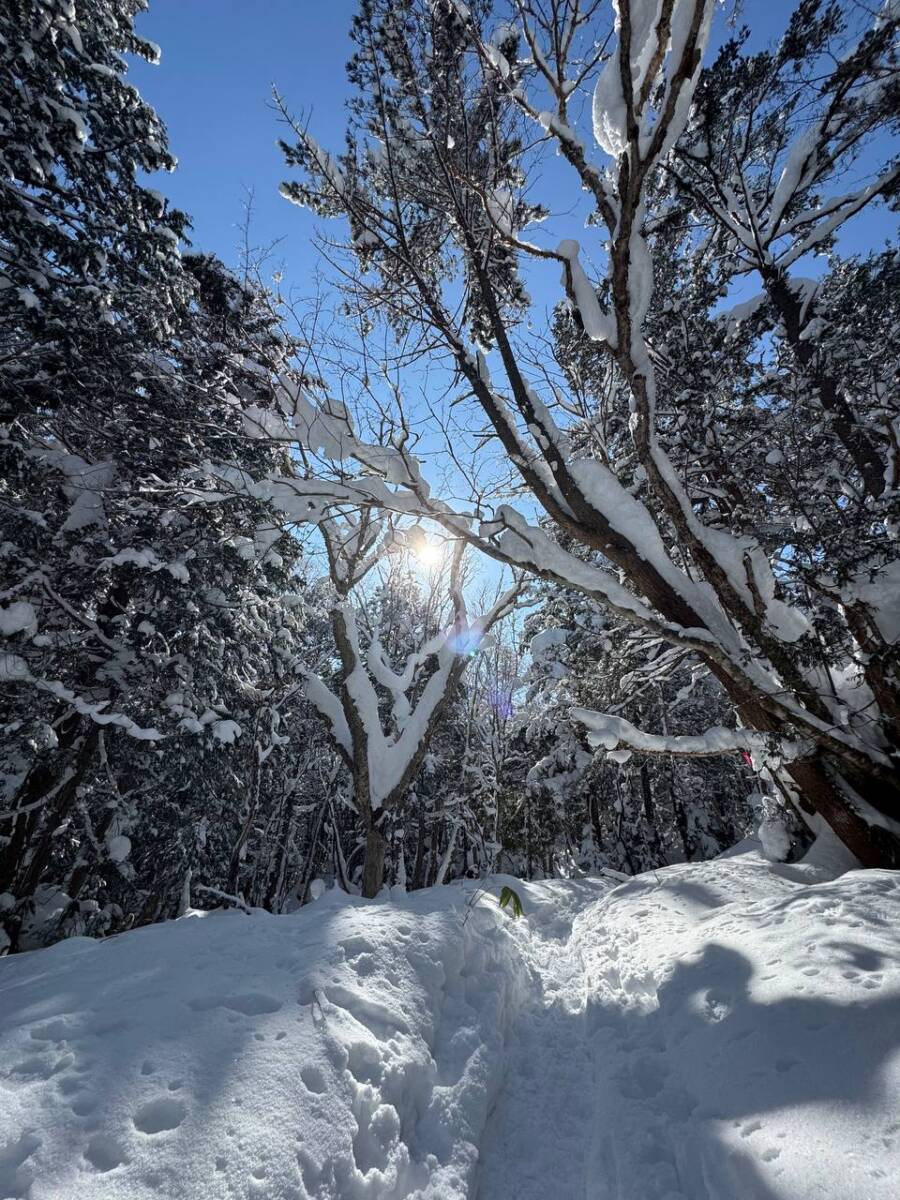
<point>697,1096</point>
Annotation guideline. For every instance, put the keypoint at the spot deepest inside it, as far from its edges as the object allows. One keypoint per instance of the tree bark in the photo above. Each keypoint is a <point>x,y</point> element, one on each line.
<point>373,863</point>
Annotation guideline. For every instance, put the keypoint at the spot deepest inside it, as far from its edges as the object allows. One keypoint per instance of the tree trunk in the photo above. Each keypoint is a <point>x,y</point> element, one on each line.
<point>594,817</point>
<point>650,821</point>
<point>681,821</point>
<point>40,781</point>
<point>529,867</point>
<point>373,864</point>
<point>820,784</point>
<point>873,845</point>
<point>57,808</point>
<point>308,865</point>
<point>418,875</point>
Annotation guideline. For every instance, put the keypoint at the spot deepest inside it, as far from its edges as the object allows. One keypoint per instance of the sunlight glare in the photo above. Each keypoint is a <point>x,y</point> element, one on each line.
<point>429,554</point>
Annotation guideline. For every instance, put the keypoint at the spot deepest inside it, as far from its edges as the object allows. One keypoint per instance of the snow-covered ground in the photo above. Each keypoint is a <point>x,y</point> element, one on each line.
<point>726,1031</point>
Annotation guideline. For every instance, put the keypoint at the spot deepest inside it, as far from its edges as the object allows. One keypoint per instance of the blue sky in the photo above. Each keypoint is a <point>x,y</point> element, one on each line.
<point>212,88</point>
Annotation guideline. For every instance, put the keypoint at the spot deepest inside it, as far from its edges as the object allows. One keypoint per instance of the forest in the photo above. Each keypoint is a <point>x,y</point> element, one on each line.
<point>478,558</point>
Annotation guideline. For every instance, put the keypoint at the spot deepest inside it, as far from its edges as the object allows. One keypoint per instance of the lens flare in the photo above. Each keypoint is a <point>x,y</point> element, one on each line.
<point>466,642</point>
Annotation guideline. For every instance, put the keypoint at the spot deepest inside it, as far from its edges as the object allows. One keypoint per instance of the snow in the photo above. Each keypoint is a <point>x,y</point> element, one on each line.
<point>799,169</point>
<point>700,1032</point>
<point>329,707</point>
<point>545,641</point>
<point>351,1050</point>
<point>13,668</point>
<point>551,122</point>
<point>531,545</point>
<point>501,205</point>
<point>610,733</point>
<point>775,839</point>
<point>326,163</point>
<point>226,732</point>
<point>880,592</point>
<point>598,325</point>
<point>118,847</point>
<point>146,559</point>
<point>85,485</point>
<point>609,109</point>
<point>18,617</point>
<point>743,311</point>
<point>496,59</point>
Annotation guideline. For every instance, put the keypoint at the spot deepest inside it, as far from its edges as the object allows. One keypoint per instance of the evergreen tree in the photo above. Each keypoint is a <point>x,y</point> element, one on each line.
<point>138,614</point>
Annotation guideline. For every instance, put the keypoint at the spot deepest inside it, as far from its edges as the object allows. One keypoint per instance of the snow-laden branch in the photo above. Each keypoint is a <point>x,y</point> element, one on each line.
<point>659,42</point>
<point>328,706</point>
<point>14,669</point>
<point>385,760</point>
<point>621,738</point>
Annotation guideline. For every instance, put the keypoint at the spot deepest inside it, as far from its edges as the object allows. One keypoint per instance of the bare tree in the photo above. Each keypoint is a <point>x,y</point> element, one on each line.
<point>435,186</point>
<point>384,750</point>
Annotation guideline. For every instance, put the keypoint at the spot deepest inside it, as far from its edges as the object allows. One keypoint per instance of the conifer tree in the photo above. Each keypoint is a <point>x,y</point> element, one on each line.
<point>144,634</point>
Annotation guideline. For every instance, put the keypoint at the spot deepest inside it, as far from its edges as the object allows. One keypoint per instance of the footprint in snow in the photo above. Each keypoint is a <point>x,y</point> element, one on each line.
<point>364,964</point>
<point>16,1173</point>
<point>251,1004</point>
<point>104,1153</point>
<point>53,1031</point>
<point>313,1079</point>
<point>159,1116</point>
<point>83,1106</point>
<point>356,945</point>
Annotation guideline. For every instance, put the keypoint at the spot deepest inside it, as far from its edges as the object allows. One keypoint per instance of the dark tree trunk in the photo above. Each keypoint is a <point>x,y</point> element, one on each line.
<point>418,874</point>
<point>373,863</point>
<point>306,874</point>
<point>37,784</point>
<point>650,816</point>
<point>594,816</point>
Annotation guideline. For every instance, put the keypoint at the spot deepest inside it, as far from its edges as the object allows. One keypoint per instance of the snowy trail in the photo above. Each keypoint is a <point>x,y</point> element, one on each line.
<point>536,1140</point>
<point>744,1028</point>
<point>721,1031</point>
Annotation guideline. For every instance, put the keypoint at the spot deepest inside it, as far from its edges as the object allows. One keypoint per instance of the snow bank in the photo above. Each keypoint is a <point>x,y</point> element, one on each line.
<point>704,1032</point>
<point>349,1050</point>
<point>745,1033</point>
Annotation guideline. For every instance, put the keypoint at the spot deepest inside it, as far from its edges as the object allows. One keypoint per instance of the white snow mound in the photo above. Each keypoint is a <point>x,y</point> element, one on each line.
<point>706,1032</point>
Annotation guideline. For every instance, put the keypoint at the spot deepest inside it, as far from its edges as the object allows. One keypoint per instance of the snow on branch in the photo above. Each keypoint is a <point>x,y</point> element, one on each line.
<point>383,759</point>
<point>659,42</point>
<point>598,325</point>
<point>354,546</point>
<point>14,669</point>
<point>621,739</point>
<point>532,548</point>
<point>328,706</point>
<point>326,428</point>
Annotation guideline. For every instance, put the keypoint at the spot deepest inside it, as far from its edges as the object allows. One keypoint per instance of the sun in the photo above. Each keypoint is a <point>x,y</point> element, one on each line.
<point>429,554</point>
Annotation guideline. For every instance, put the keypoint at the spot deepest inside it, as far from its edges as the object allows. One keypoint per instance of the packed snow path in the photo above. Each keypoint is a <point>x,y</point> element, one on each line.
<point>538,1132</point>
<point>729,1031</point>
